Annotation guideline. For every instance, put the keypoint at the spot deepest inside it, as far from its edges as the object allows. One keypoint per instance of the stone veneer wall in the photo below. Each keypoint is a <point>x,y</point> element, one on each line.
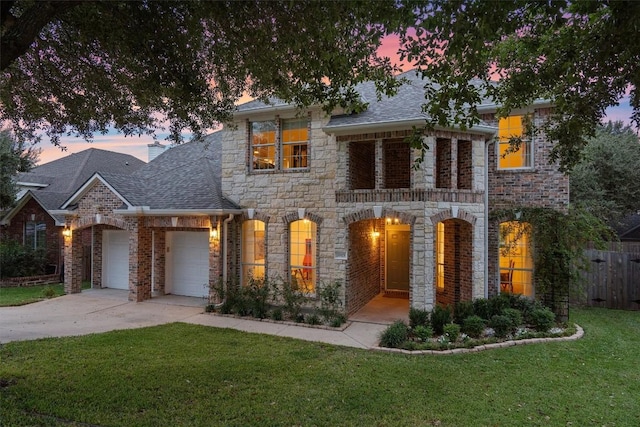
<point>325,190</point>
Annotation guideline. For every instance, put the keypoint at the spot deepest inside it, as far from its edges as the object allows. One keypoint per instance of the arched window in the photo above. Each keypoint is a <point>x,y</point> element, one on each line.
<point>302,254</point>
<point>516,261</point>
<point>253,250</point>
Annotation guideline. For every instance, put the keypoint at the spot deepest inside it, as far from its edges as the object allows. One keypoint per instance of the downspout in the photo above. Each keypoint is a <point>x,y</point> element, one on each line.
<point>92,252</point>
<point>153,262</point>
<point>486,218</point>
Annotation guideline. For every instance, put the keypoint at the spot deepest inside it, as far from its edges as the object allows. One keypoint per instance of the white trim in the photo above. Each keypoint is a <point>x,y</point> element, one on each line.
<point>87,186</point>
<point>400,125</point>
<point>22,201</point>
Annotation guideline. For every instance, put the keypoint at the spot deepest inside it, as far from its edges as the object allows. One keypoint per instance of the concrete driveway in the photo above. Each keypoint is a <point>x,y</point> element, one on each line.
<point>96,311</point>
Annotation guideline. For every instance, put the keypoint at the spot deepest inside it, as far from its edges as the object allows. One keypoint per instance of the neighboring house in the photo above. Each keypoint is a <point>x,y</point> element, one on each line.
<point>35,220</point>
<point>629,228</point>
<point>315,199</point>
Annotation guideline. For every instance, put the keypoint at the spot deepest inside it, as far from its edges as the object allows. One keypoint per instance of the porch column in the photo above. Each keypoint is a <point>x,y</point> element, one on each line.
<point>215,264</point>
<point>379,169</point>
<point>72,264</point>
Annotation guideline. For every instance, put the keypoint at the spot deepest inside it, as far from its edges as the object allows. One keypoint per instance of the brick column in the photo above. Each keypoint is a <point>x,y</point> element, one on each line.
<point>139,262</point>
<point>454,163</point>
<point>73,264</point>
<point>380,169</point>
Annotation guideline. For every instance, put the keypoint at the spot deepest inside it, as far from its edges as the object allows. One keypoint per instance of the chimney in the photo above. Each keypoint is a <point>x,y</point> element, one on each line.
<point>155,150</point>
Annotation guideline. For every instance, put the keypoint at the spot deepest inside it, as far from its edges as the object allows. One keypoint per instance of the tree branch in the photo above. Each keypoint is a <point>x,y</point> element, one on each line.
<point>19,32</point>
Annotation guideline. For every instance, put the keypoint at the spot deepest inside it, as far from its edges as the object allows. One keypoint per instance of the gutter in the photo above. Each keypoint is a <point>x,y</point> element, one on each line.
<point>225,232</point>
<point>486,217</point>
<point>146,211</point>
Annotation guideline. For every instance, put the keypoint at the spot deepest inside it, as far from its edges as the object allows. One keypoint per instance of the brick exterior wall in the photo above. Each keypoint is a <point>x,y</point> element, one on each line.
<point>362,161</point>
<point>397,164</point>
<point>147,242</point>
<point>458,248</point>
<point>443,163</point>
<point>365,268</point>
<point>543,185</point>
<point>16,228</point>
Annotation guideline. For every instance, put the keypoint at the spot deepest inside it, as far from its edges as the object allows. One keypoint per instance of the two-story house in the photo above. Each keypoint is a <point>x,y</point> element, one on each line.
<point>338,198</point>
<point>314,198</point>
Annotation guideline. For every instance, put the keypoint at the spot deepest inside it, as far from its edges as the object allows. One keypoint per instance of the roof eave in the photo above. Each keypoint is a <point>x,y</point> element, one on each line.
<point>538,103</point>
<point>397,125</point>
<point>147,211</point>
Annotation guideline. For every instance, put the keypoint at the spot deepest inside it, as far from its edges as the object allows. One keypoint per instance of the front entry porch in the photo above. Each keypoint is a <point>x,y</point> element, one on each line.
<point>383,310</point>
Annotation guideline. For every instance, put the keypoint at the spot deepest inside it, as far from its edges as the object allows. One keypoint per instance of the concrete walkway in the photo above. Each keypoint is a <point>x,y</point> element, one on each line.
<point>95,311</point>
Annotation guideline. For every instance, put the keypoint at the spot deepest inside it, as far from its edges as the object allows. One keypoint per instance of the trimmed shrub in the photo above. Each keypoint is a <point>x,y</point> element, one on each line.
<point>462,310</point>
<point>418,317</point>
<point>514,315</point>
<point>440,317</point>
<point>395,334</point>
<point>452,331</point>
<point>313,319</point>
<point>473,326</point>
<point>423,332</point>
<point>501,324</point>
<point>482,308</point>
<point>542,319</point>
<point>498,304</point>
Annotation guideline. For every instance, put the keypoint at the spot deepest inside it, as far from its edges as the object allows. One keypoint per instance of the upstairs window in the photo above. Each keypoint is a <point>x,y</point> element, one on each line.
<point>509,128</point>
<point>295,140</point>
<point>35,234</point>
<point>280,145</point>
<point>263,144</point>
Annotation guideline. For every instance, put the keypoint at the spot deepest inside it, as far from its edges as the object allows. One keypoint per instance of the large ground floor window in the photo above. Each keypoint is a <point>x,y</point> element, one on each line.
<point>516,261</point>
<point>253,250</point>
<point>302,254</point>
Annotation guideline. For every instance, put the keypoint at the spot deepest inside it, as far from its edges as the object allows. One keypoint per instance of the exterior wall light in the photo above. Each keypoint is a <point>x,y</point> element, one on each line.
<point>67,231</point>
<point>214,233</point>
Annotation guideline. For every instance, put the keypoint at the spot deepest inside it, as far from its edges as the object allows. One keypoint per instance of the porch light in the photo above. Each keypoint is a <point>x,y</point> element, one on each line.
<point>375,234</point>
<point>214,233</point>
<point>67,231</point>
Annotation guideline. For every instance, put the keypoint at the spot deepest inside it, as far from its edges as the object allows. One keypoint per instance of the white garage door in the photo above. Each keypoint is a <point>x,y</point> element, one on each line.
<point>115,259</point>
<point>188,263</point>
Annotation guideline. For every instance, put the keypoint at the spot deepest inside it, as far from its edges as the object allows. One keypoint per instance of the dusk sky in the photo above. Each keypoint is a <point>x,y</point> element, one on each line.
<point>137,146</point>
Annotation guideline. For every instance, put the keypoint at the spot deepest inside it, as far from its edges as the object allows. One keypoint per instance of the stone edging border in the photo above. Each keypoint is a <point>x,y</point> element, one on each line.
<point>285,322</point>
<point>579,334</point>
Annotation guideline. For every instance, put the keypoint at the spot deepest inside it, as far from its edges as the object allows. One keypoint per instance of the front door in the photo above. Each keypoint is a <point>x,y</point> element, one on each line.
<point>397,238</point>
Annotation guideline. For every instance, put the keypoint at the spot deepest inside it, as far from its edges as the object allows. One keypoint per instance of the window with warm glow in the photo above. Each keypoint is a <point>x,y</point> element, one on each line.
<point>516,261</point>
<point>302,254</point>
<point>508,128</point>
<point>295,139</point>
<point>440,256</point>
<point>263,144</point>
<point>35,234</point>
<point>253,251</point>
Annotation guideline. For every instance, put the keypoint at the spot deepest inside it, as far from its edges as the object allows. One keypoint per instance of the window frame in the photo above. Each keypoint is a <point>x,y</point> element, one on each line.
<point>253,147</point>
<point>302,268</point>
<point>279,146</point>
<point>526,142</point>
<point>253,240</point>
<point>34,242</point>
<point>525,257</point>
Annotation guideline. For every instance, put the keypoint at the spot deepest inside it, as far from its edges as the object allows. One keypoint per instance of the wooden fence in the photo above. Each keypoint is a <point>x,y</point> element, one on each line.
<point>614,278</point>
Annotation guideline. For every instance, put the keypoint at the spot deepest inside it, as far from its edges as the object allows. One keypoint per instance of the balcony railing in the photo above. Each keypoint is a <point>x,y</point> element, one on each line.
<point>409,195</point>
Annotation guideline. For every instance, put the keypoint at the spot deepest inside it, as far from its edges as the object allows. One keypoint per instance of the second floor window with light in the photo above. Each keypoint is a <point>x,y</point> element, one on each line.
<point>508,128</point>
<point>263,144</point>
<point>280,145</point>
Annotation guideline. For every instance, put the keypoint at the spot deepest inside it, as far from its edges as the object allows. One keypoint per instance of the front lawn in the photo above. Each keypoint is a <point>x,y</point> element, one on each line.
<point>27,295</point>
<point>188,375</point>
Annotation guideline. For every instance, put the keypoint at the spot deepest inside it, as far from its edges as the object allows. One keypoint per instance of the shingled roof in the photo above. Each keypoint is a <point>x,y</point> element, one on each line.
<point>186,177</point>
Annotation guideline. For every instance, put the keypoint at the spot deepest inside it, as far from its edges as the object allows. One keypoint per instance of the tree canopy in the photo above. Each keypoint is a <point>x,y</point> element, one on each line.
<point>15,157</point>
<point>78,68</point>
<point>583,55</point>
<point>606,181</point>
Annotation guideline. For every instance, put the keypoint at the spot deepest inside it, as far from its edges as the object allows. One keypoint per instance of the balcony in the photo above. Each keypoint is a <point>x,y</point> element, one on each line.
<point>409,195</point>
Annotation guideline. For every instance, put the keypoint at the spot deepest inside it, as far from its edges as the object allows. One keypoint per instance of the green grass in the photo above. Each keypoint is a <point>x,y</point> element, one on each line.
<point>26,295</point>
<point>188,375</point>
